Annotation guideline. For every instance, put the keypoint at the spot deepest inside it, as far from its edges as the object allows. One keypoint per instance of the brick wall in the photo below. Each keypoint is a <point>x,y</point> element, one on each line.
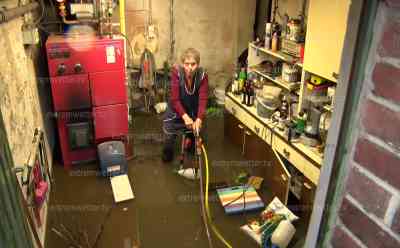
<point>369,214</point>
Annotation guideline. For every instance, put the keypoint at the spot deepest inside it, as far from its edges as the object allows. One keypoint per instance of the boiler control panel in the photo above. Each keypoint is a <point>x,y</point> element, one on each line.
<point>75,56</point>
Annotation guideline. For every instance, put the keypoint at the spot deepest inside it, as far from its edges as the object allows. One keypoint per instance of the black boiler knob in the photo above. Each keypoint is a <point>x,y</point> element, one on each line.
<point>78,68</point>
<point>61,68</point>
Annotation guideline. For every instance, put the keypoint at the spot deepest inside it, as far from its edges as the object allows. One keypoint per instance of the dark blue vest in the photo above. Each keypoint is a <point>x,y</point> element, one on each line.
<point>189,97</point>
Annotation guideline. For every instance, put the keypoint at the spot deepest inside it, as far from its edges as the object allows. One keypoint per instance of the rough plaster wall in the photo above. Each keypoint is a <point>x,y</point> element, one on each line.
<point>136,16</point>
<point>291,7</point>
<point>220,30</point>
<point>19,102</point>
<point>244,15</point>
<point>262,15</point>
<point>19,96</point>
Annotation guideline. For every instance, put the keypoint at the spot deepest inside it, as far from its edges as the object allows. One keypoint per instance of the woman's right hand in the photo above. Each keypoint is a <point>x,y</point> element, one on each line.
<point>188,121</point>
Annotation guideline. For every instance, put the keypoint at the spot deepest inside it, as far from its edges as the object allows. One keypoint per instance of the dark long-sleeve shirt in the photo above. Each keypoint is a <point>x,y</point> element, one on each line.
<point>175,94</point>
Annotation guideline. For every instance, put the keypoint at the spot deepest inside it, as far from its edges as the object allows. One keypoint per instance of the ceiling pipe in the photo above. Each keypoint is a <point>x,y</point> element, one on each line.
<point>9,14</point>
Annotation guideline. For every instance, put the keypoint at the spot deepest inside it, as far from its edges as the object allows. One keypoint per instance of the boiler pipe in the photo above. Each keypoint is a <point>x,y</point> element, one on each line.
<point>122,16</point>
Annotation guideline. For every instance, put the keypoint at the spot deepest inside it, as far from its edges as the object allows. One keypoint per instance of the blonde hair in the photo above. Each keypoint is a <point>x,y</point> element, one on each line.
<point>191,53</point>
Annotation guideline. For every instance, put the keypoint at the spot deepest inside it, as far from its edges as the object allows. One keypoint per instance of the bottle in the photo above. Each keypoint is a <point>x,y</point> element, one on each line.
<point>267,43</point>
<point>284,109</point>
<point>234,86</point>
<point>248,92</point>
<point>244,92</point>
<point>251,95</point>
<point>275,42</point>
<point>242,78</point>
<point>301,122</point>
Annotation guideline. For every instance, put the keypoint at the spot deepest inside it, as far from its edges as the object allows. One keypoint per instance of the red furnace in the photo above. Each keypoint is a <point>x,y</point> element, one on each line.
<point>87,76</point>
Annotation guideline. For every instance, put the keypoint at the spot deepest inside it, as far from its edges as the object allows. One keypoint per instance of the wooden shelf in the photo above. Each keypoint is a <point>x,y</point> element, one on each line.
<point>292,87</point>
<point>280,55</point>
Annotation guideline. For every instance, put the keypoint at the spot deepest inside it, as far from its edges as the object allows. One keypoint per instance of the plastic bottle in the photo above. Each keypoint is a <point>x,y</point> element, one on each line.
<point>275,42</point>
<point>301,122</point>
<point>242,78</point>
<point>267,43</point>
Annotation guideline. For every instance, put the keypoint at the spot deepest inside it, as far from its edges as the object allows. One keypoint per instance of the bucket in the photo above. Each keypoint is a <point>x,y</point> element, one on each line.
<point>220,96</point>
<point>265,110</point>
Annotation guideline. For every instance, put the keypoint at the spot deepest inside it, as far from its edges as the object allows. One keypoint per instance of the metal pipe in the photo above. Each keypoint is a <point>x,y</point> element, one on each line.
<point>172,33</point>
<point>64,20</point>
<point>122,16</point>
<point>80,21</point>
<point>9,14</point>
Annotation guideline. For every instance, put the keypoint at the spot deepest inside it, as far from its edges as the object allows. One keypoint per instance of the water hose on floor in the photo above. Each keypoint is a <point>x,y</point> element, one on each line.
<point>203,208</point>
<point>207,207</point>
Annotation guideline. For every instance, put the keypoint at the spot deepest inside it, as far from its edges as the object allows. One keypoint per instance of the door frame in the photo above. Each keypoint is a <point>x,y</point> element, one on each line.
<point>355,51</point>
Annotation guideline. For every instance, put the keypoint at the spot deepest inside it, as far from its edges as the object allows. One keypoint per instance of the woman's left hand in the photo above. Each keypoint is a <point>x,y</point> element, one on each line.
<point>197,125</point>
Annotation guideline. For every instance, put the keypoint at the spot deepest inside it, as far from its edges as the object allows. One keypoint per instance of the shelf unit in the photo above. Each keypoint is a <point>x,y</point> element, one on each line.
<point>286,85</point>
<point>280,55</point>
<point>259,54</point>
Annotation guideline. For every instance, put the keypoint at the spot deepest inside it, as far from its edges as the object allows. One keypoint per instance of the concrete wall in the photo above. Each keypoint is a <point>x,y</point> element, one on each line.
<point>291,7</point>
<point>368,212</point>
<point>263,14</point>
<point>21,91</point>
<point>220,30</point>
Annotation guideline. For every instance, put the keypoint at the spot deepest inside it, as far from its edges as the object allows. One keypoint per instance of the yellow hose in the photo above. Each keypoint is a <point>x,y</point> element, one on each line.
<point>122,16</point>
<point>213,227</point>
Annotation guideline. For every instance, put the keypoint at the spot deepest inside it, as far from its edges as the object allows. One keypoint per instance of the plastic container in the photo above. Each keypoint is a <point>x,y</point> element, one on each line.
<point>265,108</point>
<point>275,42</point>
<point>267,43</point>
<point>283,234</point>
<point>220,96</point>
<point>112,158</point>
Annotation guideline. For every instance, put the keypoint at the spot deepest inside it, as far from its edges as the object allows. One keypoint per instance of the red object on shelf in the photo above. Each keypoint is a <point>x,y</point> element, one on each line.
<point>302,53</point>
<point>87,76</point>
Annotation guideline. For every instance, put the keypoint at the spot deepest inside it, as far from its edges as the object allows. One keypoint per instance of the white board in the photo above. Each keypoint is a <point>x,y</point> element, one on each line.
<point>121,188</point>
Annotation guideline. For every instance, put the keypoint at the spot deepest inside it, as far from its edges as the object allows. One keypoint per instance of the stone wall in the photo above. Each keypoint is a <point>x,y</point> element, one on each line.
<point>24,96</point>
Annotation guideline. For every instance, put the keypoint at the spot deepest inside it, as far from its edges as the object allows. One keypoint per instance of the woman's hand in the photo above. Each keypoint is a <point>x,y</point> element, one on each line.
<point>197,126</point>
<point>188,121</point>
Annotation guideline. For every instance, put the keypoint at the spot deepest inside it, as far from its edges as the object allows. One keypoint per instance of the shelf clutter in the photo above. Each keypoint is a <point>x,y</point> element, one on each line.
<point>306,102</point>
<point>282,99</point>
<point>273,227</point>
<point>272,121</point>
